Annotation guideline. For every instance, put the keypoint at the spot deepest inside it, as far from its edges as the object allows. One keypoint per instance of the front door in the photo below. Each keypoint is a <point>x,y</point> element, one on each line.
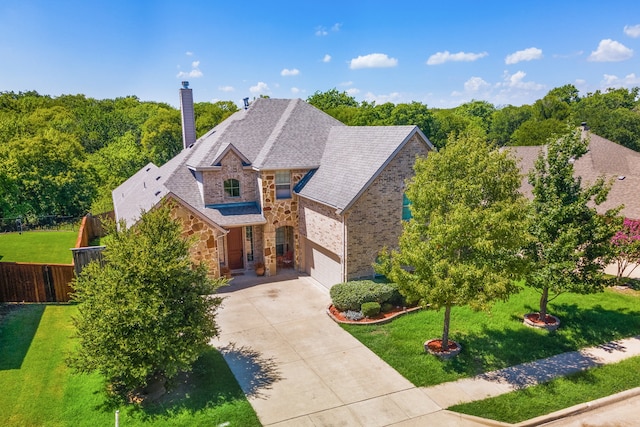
<point>234,245</point>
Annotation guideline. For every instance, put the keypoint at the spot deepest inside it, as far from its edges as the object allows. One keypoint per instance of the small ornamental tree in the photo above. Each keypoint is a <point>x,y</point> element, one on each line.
<point>148,313</point>
<point>626,247</point>
<point>461,246</point>
<point>571,242</point>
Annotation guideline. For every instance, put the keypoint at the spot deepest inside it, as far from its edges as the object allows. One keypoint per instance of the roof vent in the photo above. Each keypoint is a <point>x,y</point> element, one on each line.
<point>621,177</point>
<point>246,102</point>
<point>157,192</point>
<point>157,177</point>
<point>185,85</point>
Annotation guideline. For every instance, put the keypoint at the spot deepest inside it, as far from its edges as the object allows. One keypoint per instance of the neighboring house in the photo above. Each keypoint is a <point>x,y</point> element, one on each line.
<point>616,163</point>
<point>283,183</point>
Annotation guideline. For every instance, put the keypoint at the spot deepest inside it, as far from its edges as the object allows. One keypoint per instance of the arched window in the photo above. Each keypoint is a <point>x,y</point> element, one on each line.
<point>232,188</point>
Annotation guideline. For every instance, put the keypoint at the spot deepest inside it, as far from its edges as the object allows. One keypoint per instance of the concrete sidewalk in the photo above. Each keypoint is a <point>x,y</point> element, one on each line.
<point>299,368</point>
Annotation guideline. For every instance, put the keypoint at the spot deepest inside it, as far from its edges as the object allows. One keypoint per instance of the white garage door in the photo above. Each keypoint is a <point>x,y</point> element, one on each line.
<point>322,265</point>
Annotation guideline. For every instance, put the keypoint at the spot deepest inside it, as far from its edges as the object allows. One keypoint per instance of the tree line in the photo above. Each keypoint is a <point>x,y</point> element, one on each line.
<point>63,155</point>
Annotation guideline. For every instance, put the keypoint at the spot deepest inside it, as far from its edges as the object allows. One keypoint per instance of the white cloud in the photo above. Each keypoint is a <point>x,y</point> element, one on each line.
<point>226,88</point>
<point>295,90</point>
<point>632,30</point>
<point>446,56</point>
<point>189,53</point>
<point>336,27</point>
<point>610,51</point>
<point>393,97</point>
<point>352,91</point>
<point>321,31</point>
<point>630,80</point>
<point>475,84</point>
<point>194,73</point>
<point>528,54</point>
<point>349,83</point>
<point>327,58</point>
<point>516,81</point>
<point>373,60</point>
<point>260,88</point>
<point>286,72</point>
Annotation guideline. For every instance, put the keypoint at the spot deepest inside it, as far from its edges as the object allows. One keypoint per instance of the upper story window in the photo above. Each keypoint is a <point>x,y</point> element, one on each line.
<point>283,185</point>
<point>406,208</point>
<point>232,188</point>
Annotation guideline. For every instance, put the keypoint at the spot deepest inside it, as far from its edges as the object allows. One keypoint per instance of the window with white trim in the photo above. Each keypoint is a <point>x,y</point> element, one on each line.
<point>283,185</point>
<point>232,188</point>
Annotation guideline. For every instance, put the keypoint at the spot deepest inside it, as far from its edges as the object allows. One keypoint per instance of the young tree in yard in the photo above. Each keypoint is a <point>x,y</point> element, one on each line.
<point>626,247</point>
<point>148,313</point>
<point>462,244</point>
<point>571,241</point>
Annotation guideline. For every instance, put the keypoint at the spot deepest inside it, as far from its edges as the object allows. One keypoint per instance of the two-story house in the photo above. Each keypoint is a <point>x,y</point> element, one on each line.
<point>283,183</point>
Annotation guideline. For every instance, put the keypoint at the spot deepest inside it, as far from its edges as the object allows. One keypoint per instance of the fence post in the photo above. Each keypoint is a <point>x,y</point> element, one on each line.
<point>117,417</point>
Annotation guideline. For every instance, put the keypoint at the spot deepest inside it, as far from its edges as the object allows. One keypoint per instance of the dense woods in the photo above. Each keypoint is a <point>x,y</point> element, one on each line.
<point>63,155</point>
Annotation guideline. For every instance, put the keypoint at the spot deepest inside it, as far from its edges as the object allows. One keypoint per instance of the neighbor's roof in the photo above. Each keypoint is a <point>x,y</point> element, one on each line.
<point>353,157</point>
<point>605,158</point>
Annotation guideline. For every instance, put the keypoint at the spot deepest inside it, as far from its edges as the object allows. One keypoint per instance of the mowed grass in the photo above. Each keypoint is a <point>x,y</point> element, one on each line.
<point>498,339</point>
<point>39,390</point>
<point>557,394</point>
<point>38,246</point>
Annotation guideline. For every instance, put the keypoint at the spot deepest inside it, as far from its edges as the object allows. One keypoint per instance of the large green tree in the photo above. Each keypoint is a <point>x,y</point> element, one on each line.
<point>462,244</point>
<point>148,312</point>
<point>570,243</point>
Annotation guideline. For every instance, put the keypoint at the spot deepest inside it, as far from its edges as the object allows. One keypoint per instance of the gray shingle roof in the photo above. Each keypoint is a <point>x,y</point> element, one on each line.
<point>352,158</point>
<point>604,158</point>
<point>271,134</point>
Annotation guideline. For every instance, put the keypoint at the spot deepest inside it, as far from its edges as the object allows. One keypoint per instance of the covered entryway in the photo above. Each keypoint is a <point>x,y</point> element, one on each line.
<point>321,264</point>
<point>284,247</point>
<point>234,246</point>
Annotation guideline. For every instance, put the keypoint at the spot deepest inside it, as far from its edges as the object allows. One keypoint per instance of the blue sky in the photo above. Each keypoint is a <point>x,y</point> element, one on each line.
<point>440,53</point>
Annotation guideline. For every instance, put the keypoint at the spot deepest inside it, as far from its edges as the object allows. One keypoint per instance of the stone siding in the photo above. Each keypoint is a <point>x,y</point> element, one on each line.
<point>231,168</point>
<point>375,219</point>
<point>279,213</point>
<point>204,243</point>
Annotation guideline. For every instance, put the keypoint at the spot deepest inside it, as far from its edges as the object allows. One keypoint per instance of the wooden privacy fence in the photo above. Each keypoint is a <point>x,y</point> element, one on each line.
<point>27,282</point>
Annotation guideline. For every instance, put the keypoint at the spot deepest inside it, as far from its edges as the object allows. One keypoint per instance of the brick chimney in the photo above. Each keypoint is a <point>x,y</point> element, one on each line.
<point>188,115</point>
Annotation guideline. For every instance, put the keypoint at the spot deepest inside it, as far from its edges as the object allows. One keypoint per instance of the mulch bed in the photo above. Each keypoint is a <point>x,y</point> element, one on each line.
<point>337,316</point>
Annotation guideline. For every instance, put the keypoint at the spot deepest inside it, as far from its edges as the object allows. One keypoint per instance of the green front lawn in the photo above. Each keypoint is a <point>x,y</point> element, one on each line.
<point>38,388</point>
<point>558,394</point>
<point>499,339</point>
<point>52,247</point>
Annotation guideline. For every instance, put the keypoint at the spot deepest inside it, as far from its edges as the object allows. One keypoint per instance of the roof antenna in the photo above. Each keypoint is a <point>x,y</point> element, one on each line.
<point>246,102</point>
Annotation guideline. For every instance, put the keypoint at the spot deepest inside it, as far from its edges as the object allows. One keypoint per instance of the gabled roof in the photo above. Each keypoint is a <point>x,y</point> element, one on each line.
<point>354,156</point>
<point>604,158</point>
<point>272,134</point>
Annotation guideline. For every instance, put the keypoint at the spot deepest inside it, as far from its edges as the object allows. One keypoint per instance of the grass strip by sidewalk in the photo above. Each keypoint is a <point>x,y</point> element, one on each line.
<point>39,389</point>
<point>38,246</point>
<point>497,340</point>
<point>557,394</point>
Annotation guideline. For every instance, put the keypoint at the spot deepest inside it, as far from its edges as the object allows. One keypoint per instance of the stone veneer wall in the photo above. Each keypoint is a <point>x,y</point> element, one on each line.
<point>231,168</point>
<point>205,237</point>
<point>279,213</point>
<point>375,219</point>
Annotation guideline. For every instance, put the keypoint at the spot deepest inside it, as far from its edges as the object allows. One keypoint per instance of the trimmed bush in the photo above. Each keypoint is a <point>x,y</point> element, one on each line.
<point>370,309</point>
<point>351,295</point>
<point>386,307</point>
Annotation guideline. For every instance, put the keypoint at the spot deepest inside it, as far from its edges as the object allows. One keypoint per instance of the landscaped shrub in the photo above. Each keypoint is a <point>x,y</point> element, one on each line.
<point>387,306</point>
<point>370,309</point>
<point>351,295</point>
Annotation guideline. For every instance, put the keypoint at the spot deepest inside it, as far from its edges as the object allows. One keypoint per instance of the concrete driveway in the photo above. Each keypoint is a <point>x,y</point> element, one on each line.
<point>299,368</point>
